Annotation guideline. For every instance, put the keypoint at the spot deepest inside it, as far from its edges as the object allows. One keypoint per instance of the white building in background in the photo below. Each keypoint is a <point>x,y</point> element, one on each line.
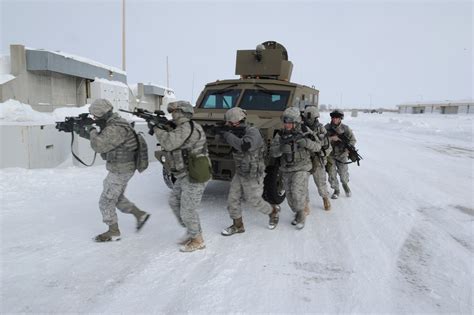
<point>442,107</point>
<point>47,80</point>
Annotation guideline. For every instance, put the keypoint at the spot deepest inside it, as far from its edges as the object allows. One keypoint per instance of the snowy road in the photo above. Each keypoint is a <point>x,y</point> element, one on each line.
<point>402,243</point>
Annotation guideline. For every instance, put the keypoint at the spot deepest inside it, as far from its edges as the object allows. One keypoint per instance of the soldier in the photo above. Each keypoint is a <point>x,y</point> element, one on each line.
<point>178,144</point>
<point>248,153</point>
<point>337,160</point>
<point>311,115</point>
<point>117,144</point>
<point>294,148</point>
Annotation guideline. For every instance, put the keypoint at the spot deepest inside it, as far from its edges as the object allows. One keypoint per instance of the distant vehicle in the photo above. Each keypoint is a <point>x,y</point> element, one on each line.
<point>264,90</point>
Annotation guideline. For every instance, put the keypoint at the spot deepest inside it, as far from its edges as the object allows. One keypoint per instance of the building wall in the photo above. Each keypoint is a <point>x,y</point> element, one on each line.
<point>460,108</point>
<point>44,91</point>
<point>150,102</point>
<point>118,94</point>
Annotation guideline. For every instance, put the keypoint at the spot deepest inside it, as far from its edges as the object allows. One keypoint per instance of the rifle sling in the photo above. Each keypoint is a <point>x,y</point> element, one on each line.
<point>76,157</point>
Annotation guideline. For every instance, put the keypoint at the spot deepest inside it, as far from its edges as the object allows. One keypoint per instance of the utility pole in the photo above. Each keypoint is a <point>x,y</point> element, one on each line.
<point>192,91</point>
<point>167,73</point>
<point>123,36</point>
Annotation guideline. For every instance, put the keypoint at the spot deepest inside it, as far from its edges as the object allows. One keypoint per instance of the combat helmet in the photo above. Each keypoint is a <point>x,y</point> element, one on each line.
<point>291,115</point>
<point>100,107</point>
<point>235,115</point>
<point>183,106</point>
<point>337,113</point>
<point>311,113</point>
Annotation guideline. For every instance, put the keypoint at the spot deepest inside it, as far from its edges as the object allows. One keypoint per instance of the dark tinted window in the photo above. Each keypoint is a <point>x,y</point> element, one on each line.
<point>220,99</point>
<point>265,100</point>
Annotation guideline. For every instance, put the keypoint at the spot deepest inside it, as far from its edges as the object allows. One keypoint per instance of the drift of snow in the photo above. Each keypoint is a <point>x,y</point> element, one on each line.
<point>402,243</point>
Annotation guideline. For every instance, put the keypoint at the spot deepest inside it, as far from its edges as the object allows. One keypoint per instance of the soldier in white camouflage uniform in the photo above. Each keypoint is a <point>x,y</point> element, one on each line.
<point>117,144</point>
<point>294,150</point>
<point>187,138</point>
<point>337,160</point>
<point>248,153</point>
<point>311,115</point>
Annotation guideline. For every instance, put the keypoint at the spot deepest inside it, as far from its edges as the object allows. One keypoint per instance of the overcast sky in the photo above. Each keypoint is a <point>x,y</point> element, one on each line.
<point>353,52</point>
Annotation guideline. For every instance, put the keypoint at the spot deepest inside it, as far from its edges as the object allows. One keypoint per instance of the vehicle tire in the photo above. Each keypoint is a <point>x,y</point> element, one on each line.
<point>273,190</point>
<point>168,178</point>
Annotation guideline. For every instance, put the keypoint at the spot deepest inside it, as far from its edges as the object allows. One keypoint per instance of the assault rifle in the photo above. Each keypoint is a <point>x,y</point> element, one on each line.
<point>80,121</point>
<point>221,127</point>
<point>79,124</point>
<point>291,136</point>
<point>354,155</point>
<point>157,118</point>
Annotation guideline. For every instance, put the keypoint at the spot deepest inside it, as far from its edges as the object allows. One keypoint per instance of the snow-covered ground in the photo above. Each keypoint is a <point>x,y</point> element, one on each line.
<point>402,244</point>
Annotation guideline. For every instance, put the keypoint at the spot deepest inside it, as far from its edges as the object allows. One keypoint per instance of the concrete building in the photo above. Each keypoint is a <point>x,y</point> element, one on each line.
<point>443,107</point>
<point>47,80</point>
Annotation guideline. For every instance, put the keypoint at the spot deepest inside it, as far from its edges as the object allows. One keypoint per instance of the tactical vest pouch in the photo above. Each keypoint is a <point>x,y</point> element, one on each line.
<point>141,159</point>
<point>199,168</point>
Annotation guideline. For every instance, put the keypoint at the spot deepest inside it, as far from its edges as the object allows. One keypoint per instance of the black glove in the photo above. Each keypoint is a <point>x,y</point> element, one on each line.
<point>85,132</point>
<point>151,125</point>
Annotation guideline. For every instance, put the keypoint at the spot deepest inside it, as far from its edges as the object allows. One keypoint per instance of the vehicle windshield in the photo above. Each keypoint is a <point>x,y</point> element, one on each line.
<point>220,99</point>
<point>264,100</point>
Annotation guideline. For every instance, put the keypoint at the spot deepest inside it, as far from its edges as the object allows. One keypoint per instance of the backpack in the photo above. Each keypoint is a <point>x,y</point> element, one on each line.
<point>199,165</point>
<point>141,158</point>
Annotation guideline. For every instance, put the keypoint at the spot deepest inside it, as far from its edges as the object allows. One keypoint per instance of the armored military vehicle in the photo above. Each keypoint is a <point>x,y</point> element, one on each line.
<point>264,90</point>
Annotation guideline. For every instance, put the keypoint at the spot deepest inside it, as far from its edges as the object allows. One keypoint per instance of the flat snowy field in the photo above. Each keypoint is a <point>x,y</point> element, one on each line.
<point>402,244</point>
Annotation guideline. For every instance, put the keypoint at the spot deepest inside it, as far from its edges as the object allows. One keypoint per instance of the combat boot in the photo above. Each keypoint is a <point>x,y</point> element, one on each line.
<point>141,217</point>
<point>193,244</point>
<point>183,240</point>
<point>347,190</point>
<point>300,220</point>
<point>274,217</point>
<point>326,203</point>
<point>113,234</point>
<point>335,195</point>
<point>307,210</point>
<point>237,227</point>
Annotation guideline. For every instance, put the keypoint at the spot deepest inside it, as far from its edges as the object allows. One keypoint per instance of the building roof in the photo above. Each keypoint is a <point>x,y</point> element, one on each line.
<point>45,60</point>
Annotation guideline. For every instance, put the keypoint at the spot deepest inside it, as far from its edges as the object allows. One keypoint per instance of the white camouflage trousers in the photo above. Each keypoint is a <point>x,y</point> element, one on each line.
<point>184,201</point>
<point>112,197</point>
<point>319,177</point>
<point>337,167</point>
<point>296,187</point>
<point>250,189</point>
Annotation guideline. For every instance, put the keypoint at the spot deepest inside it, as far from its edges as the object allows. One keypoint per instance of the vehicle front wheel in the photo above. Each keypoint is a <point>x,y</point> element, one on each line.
<point>273,190</point>
<point>168,178</point>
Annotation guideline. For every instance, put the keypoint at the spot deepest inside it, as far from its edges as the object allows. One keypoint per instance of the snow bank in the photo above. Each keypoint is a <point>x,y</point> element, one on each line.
<point>15,111</point>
